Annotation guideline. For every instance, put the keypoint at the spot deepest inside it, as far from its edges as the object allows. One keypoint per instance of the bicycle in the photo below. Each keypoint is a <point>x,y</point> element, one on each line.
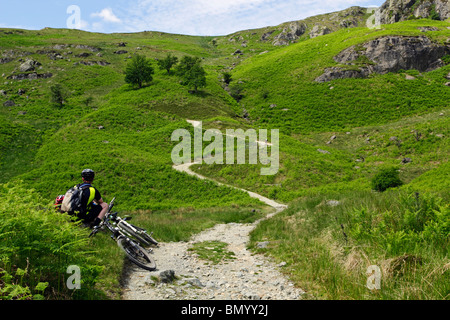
<point>131,239</point>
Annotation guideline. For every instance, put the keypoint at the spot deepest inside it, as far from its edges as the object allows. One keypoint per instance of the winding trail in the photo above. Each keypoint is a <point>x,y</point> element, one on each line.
<point>248,277</point>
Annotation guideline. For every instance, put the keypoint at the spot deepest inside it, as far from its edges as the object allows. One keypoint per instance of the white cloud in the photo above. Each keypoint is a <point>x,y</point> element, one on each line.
<point>212,17</point>
<point>107,15</point>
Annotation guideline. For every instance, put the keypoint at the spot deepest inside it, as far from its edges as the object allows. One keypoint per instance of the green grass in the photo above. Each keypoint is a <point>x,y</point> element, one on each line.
<point>212,251</point>
<point>329,248</point>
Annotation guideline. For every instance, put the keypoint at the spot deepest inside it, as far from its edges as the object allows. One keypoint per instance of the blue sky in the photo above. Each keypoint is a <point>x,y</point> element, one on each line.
<point>193,17</point>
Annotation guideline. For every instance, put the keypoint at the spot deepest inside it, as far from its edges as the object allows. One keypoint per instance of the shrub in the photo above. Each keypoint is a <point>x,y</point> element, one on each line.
<point>446,59</point>
<point>227,78</point>
<point>385,179</point>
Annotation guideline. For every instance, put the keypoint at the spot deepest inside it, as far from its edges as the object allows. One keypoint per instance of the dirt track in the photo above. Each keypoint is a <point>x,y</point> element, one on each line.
<point>248,276</point>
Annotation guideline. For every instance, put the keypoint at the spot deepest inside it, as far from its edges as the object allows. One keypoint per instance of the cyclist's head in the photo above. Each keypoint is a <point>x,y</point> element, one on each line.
<point>88,175</point>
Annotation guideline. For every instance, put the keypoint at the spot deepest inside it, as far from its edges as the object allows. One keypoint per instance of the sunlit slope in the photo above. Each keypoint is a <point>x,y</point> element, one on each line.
<point>279,90</point>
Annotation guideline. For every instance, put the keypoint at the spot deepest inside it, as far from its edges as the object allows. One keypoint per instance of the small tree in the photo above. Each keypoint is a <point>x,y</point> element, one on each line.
<point>192,73</point>
<point>186,64</point>
<point>167,63</point>
<point>227,78</point>
<point>58,95</point>
<point>385,179</point>
<point>139,70</point>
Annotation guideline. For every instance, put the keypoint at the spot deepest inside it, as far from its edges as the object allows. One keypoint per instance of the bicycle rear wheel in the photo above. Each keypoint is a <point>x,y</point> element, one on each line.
<point>137,254</point>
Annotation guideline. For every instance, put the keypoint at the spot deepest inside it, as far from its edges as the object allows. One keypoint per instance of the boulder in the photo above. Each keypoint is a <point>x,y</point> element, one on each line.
<point>29,65</point>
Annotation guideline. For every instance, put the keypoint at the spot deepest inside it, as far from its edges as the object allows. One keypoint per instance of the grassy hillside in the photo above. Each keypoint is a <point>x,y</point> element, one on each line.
<point>124,135</point>
<point>285,78</point>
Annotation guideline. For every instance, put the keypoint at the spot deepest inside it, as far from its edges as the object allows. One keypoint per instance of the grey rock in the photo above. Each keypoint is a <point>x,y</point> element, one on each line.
<point>388,54</point>
<point>194,282</point>
<point>29,65</point>
<point>267,35</point>
<point>393,11</point>
<point>94,63</point>
<point>5,60</point>
<point>86,47</point>
<point>167,276</point>
<point>9,103</point>
<point>333,203</point>
<point>262,245</point>
<point>29,76</point>
<point>406,160</point>
<point>319,31</point>
<point>289,34</point>
<point>323,151</point>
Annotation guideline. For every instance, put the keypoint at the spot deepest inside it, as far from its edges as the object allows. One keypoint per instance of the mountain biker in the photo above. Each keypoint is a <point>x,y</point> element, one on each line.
<point>96,210</point>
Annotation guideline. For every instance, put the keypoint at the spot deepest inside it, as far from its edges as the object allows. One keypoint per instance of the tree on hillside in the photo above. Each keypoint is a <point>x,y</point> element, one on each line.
<point>191,72</point>
<point>58,95</point>
<point>139,70</point>
<point>167,63</point>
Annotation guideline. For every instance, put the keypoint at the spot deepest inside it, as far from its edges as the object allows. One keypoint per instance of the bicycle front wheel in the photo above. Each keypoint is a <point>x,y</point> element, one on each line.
<point>137,254</point>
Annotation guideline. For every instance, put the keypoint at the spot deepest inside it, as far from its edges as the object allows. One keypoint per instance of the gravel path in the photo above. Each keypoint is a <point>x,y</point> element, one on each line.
<point>247,277</point>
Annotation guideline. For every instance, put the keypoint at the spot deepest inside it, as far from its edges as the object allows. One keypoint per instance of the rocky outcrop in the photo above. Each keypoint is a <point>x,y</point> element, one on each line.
<point>319,31</point>
<point>290,34</point>
<point>399,10</point>
<point>30,76</point>
<point>94,63</point>
<point>387,54</point>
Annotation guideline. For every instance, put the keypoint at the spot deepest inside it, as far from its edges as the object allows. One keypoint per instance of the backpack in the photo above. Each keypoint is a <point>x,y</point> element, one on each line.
<point>72,199</point>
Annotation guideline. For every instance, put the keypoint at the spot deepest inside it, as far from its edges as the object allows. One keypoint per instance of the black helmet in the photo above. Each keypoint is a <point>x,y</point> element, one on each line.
<point>88,174</point>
